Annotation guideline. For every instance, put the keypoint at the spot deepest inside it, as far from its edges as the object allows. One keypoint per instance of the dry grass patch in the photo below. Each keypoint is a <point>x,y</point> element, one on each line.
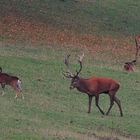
<point>63,134</point>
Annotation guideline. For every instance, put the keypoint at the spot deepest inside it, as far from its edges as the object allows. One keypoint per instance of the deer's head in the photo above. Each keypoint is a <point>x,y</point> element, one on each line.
<point>73,76</point>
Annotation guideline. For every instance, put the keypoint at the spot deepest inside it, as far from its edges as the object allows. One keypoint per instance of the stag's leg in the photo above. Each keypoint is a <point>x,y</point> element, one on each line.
<point>97,101</point>
<point>111,104</point>
<point>16,90</point>
<point>17,87</point>
<point>119,105</point>
<point>17,94</point>
<point>89,103</point>
<point>22,95</point>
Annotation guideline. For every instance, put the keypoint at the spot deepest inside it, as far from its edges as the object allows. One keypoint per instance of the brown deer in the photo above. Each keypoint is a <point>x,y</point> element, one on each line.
<point>94,86</point>
<point>129,66</point>
<point>137,41</point>
<point>13,81</point>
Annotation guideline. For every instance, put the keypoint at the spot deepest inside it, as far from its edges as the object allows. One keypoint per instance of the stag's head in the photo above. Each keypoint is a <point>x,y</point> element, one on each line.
<point>68,74</point>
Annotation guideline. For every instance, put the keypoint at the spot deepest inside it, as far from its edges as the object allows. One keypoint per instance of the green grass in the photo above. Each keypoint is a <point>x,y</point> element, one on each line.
<point>50,110</point>
<point>95,17</point>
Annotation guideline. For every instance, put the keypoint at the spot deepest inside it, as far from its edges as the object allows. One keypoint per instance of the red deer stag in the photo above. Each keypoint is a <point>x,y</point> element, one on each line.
<point>129,66</point>
<point>93,87</point>
<point>13,81</point>
<point>137,41</point>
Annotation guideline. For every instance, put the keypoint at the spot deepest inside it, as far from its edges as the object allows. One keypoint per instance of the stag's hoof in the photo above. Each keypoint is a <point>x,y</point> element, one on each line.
<point>106,113</point>
<point>121,115</point>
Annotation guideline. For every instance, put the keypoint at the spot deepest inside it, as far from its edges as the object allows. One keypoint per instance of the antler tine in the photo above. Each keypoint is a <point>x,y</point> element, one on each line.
<point>80,61</point>
<point>81,57</point>
<point>68,73</point>
<point>66,60</point>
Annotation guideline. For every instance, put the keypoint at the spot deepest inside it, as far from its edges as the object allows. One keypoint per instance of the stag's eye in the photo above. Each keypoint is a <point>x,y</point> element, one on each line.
<point>75,79</point>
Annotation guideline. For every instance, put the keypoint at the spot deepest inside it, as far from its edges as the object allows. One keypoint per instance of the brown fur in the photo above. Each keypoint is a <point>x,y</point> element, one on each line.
<point>95,86</point>
<point>6,79</point>
<point>129,66</point>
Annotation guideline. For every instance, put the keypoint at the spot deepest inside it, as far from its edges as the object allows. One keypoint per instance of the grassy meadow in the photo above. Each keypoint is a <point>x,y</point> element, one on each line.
<point>50,110</point>
<point>34,38</point>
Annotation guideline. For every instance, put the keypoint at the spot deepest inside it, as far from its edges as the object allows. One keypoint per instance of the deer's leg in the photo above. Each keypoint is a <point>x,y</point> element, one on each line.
<point>17,87</point>
<point>22,95</point>
<point>3,86</point>
<point>17,91</point>
<point>137,49</point>
<point>119,105</point>
<point>89,103</point>
<point>111,104</point>
<point>97,101</point>
<point>17,94</point>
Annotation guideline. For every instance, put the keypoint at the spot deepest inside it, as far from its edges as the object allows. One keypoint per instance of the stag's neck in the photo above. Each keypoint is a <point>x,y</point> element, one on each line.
<point>81,85</point>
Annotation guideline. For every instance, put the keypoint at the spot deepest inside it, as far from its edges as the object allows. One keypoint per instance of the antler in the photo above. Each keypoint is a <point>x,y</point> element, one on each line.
<point>80,62</point>
<point>66,60</point>
<point>68,73</point>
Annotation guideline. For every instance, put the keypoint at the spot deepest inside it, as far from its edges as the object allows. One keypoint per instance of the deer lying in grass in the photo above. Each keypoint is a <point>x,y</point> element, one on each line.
<point>13,81</point>
<point>94,86</point>
<point>129,66</point>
